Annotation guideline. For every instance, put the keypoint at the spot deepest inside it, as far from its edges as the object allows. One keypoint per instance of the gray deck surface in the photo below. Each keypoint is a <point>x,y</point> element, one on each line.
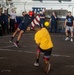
<point>19,61</point>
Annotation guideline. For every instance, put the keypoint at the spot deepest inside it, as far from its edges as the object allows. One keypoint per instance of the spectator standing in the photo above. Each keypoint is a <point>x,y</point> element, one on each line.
<point>69,24</point>
<point>5,19</point>
<point>1,23</point>
<point>42,18</point>
<point>53,21</point>
<point>35,21</point>
<point>12,20</point>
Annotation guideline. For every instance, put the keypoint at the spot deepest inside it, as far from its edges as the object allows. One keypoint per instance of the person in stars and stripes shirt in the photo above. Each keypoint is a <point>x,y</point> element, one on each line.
<point>36,21</point>
<point>37,18</point>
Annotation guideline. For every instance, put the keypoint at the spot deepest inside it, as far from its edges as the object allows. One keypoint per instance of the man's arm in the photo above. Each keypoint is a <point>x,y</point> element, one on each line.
<point>37,39</point>
<point>73,23</point>
<point>65,23</point>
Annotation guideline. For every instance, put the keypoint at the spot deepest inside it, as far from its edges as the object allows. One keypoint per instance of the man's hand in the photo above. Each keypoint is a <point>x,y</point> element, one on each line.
<point>73,26</point>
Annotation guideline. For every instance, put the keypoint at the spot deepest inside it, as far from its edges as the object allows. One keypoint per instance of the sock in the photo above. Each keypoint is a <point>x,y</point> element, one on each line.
<point>37,60</point>
<point>67,36</point>
<point>12,38</point>
<point>17,42</point>
<point>71,37</point>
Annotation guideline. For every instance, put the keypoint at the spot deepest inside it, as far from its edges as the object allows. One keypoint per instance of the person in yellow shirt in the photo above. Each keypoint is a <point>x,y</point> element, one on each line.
<point>45,45</point>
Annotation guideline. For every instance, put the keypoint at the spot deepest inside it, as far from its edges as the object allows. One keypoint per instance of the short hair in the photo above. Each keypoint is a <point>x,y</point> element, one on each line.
<point>69,11</point>
<point>24,12</point>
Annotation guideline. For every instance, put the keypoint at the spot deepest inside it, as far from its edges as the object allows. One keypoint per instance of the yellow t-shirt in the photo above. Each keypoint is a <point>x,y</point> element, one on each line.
<point>43,39</point>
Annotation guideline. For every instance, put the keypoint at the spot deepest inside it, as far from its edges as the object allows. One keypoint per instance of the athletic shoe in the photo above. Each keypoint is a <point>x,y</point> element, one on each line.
<point>71,40</point>
<point>11,41</point>
<point>16,45</point>
<point>47,68</point>
<point>36,64</point>
<point>66,39</point>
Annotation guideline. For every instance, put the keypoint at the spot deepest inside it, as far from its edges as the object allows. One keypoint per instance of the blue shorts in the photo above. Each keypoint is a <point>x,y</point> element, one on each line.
<point>22,26</point>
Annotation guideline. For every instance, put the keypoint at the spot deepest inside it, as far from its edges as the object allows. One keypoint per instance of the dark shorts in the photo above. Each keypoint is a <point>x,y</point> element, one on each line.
<point>22,26</point>
<point>47,52</point>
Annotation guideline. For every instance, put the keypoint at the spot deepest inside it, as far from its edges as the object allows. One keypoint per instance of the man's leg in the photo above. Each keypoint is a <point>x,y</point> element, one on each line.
<point>18,38</point>
<point>47,65</point>
<point>14,34</point>
<point>20,35</point>
<point>10,25</point>
<point>37,57</point>
<point>67,34</point>
<point>71,30</point>
<point>47,55</point>
<point>55,28</point>
<point>52,26</point>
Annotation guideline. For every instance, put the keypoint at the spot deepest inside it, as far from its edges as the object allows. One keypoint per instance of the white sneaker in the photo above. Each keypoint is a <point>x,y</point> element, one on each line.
<point>71,40</point>
<point>66,39</point>
<point>11,41</point>
<point>36,64</point>
<point>16,45</point>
